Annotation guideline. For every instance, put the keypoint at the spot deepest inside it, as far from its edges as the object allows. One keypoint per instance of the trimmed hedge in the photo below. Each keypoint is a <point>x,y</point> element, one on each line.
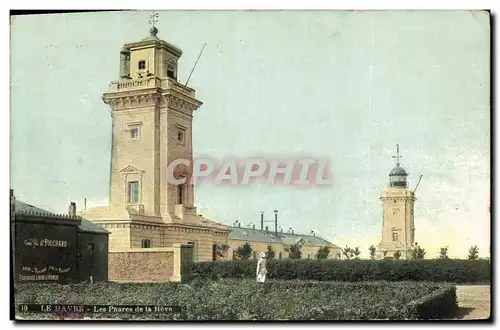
<point>452,270</point>
<point>248,300</point>
<point>438,304</point>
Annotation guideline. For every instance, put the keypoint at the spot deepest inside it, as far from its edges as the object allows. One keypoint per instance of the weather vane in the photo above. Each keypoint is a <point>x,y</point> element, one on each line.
<point>153,18</point>
<point>397,156</point>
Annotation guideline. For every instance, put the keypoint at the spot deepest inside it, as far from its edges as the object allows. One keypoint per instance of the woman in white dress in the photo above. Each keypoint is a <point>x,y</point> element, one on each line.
<point>261,268</point>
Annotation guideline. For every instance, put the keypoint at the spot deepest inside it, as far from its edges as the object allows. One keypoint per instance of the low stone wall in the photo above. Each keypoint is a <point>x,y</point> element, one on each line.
<point>168,264</point>
<point>141,265</point>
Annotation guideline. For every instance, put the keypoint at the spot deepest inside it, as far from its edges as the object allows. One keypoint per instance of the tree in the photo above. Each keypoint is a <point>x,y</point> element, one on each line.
<point>347,252</point>
<point>221,249</point>
<point>270,252</point>
<point>356,252</point>
<point>323,252</point>
<point>397,254</point>
<point>473,252</point>
<point>372,251</point>
<point>417,252</point>
<point>244,251</point>
<point>293,251</point>
<point>443,253</point>
<point>351,253</point>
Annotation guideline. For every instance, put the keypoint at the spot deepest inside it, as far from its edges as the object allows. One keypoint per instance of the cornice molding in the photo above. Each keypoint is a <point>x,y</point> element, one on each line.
<point>147,98</point>
<point>131,101</point>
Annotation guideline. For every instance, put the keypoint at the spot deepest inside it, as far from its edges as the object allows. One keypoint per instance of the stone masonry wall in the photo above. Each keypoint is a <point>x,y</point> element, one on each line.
<point>148,265</point>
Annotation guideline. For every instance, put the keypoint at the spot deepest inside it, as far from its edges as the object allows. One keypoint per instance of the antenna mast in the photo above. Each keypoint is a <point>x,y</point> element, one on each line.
<point>421,175</point>
<point>194,66</point>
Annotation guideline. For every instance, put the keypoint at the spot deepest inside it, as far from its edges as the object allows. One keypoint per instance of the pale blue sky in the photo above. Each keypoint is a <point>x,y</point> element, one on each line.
<point>346,86</point>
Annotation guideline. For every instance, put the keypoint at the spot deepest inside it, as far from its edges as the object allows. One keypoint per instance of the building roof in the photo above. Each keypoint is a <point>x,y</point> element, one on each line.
<point>23,207</point>
<point>152,39</point>
<point>89,226</point>
<point>398,171</point>
<point>249,234</point>
<point>85,225</point>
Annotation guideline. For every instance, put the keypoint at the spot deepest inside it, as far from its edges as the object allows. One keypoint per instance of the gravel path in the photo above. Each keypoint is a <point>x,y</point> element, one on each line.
<point>473,301</point>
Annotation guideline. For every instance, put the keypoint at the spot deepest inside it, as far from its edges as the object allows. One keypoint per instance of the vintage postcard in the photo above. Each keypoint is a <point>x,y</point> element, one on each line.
<point>251,165</point>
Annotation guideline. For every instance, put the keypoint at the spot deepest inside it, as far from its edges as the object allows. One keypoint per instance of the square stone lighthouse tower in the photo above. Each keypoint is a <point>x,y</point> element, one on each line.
<point>151,127</point>
<point>398,230</point>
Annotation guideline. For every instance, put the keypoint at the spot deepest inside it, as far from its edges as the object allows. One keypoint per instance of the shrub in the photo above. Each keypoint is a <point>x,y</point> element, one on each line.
<point>244,252</point>
<point>418,252</point>
<point>248,300</point>
<point>372,250</point>
<point>443,253</point>
<point>473,252</point>
<point>350,253</point>
<point>270,252</point>
<point>323,252</point>
<point>293,251</point>
<point>437,270</point>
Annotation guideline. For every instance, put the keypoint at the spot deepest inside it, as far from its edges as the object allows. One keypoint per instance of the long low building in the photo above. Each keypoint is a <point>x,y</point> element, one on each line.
<point>261,240</point>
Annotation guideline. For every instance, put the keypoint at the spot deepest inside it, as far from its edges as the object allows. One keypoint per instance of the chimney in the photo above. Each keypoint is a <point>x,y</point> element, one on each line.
<point>266,229</point>
<point>85,203</point>
<point>276,222</point>
<point>312,233</point>
<point>261,220</point>
<point>239,224</point>
<point>282,230</point>
<point>72,210</point>
<point>253,226</point>
<point>12,204</point>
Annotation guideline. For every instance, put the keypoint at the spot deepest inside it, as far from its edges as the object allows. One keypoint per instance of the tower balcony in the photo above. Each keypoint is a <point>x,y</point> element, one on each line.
<point>150,82</point>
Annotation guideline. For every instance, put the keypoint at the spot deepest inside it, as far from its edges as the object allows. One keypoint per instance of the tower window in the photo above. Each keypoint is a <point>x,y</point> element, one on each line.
<point>134,132</point>
<point>394,237</point>
<point>142,65</point>
<point>171,72</point>
<point>170,66</point>
<point>394,201</point>
<point>180,136</point>
<point>180,194</point>
<point>280,255</point>
<point>133,192</point>
<point>145,243</point>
